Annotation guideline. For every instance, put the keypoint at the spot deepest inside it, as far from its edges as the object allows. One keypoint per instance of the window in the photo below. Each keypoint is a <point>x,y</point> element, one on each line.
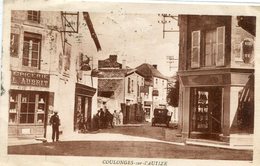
<point>31,50</point>
<point>128,86</point>
<point>213,48</point>
<point>132,86</point>
<point>138,89</point>
<point>195,49</point>
<point>34,16</point>
<point>27,107</point>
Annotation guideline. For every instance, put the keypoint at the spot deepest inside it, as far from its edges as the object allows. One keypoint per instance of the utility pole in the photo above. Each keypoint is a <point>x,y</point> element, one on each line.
<point>165,20</point>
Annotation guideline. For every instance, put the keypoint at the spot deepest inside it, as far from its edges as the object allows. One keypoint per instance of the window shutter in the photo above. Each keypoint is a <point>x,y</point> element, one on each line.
<point>195,49</point>
<point>220,58</point>
<point>14,44</point>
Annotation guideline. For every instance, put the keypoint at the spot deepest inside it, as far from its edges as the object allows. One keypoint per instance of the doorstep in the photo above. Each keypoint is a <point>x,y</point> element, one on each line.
<point>216,144</point>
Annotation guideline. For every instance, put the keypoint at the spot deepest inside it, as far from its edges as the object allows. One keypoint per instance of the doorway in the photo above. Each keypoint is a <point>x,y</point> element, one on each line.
<point>206,108</point>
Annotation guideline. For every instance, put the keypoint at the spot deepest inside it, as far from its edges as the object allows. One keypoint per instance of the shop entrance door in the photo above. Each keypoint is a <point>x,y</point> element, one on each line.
<point>206,108</point>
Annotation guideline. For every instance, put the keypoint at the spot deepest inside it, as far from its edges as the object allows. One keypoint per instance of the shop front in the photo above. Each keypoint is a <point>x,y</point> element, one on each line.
<point>213,106</point>
<point>83,106</point>
<point>206,111</point>
<point>29,102</point>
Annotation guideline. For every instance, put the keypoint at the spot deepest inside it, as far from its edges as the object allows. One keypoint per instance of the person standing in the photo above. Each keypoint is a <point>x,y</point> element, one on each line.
<point>121,118</point>
<point>55,122</point>
<point>115,118</point>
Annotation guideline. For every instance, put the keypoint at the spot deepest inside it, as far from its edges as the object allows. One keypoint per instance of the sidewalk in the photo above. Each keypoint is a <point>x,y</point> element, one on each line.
<point>90,137</point>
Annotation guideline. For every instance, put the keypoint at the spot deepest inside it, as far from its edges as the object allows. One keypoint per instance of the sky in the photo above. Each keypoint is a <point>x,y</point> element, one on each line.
<point>135,38</point>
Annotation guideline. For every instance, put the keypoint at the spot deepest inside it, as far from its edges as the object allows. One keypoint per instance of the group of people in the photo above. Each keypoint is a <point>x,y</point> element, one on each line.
<point>103,119</point>
<point>118,118</point>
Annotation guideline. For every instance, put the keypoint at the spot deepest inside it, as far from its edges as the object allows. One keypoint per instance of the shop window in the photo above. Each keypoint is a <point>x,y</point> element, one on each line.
<point>200,119</point>
<point>31,50</point>
<point>27,108</point>
<point>13,109</point>
<point>33,16</point>
<point>213,44</point>
<point>41,108</point>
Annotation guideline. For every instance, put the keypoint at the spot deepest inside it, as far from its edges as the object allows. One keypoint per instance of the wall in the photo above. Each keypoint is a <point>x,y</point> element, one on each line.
<point>62,82</point>
<point>133,95</point>
<point>238,35</point>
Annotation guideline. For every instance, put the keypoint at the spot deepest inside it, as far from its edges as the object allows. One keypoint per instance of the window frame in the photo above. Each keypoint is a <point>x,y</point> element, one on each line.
<point>218,60</point>
<point>30,40</point>
<point>32,17</point>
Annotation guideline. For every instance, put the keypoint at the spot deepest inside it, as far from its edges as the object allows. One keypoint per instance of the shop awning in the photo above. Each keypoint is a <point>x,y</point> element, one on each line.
<point>85,90</point>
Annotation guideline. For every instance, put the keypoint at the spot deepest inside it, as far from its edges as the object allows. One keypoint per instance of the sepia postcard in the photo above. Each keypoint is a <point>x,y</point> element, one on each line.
<point>129,83</point>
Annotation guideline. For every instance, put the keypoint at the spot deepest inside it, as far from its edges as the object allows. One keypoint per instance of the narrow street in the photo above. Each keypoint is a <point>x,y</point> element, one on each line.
<point>123,142</point>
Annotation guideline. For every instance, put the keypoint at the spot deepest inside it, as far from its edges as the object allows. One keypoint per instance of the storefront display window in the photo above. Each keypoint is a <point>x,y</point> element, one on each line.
<point>206,108</point>
<point>28,106</point>
<point>13,108</point>
<point>200,110</point>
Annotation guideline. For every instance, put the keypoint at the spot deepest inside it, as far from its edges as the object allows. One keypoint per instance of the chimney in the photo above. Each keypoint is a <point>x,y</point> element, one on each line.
<point>124,64</point>
<point>113,58</point>
<point>155,66</point>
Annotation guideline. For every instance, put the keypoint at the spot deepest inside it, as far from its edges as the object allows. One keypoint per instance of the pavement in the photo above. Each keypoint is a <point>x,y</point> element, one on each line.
<point>90,137</point>
<point>108,135</point>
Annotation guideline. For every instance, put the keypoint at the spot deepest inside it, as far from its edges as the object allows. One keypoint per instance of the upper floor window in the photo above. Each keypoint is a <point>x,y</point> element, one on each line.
<point>156,81</point>
<point>33,16</point>
<point>31,50</point>
<point>132,86</point>
<point>208,48</point>
<point>128,86</point>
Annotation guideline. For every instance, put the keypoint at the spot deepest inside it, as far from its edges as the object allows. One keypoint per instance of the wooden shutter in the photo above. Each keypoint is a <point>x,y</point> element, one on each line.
<point>14,44</point>
<point>220,58</point>
<point>195,49</point>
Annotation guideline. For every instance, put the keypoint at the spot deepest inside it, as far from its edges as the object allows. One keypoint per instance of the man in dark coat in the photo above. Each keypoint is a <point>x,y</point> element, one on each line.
<point>55,122</point>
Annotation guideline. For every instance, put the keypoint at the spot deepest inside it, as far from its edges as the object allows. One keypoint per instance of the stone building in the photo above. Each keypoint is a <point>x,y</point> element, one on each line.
<point>154,89</point>
<point>48,72</point>
<point>216,67</point>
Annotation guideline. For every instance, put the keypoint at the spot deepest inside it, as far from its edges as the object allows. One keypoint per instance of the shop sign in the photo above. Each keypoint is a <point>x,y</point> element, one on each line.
<point>247,50</point>
<point>30,79</point>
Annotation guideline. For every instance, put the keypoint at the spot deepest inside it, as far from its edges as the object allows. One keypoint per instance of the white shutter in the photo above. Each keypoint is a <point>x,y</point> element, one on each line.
<point>220,58</point>
<point>195,49</point>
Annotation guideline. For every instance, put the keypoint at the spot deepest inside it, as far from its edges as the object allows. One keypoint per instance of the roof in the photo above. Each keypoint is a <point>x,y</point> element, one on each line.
<point>148,71</point>
<point>108,64</point>
<point>134,71</point>
<point>112,73</point>
<point>109,84</point>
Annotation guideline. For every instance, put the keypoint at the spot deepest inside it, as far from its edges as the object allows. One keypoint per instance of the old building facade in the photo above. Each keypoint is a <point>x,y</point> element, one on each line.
<point>44,64</point>
<point>216,66</point>
<point>154,89</point>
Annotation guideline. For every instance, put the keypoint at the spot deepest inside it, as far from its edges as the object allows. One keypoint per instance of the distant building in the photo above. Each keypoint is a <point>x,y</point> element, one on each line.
<point>216,67</point>
<point>154,89</point>
<point>133,96</point>
<point>119,89</point>
<point>109,63</point>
